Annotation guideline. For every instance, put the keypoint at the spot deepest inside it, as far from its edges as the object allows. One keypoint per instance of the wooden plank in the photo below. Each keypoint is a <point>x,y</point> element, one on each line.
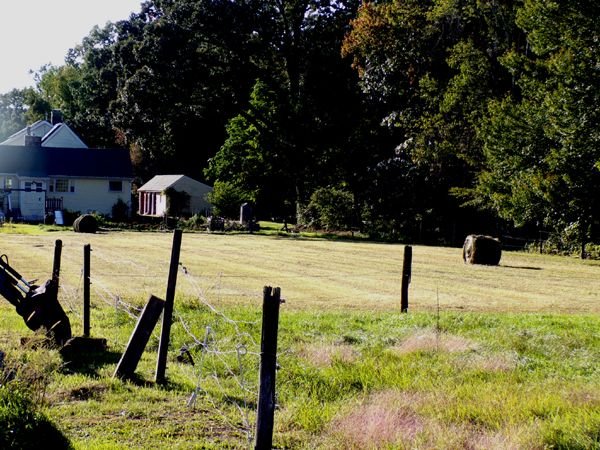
<point>139,338</point>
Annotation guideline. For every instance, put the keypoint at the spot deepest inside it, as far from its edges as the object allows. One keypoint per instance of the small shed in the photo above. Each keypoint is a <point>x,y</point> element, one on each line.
<point>158,194</point>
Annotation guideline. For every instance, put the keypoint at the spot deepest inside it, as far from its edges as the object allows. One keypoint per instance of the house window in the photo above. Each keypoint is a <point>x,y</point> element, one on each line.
<point>115,186</point>
<point>61,185</point>
<point>8,183</point>
<point>33,186</point>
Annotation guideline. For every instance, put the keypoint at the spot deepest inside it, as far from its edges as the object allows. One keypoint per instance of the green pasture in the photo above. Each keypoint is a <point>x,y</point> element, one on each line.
<point>487,357</point>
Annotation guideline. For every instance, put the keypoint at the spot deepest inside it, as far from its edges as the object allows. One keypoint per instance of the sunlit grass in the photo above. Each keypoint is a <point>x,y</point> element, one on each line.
<point>508,360</point>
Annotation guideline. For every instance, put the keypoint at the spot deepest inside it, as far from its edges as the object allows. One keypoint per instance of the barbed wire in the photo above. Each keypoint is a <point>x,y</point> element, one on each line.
<point>215,358</point>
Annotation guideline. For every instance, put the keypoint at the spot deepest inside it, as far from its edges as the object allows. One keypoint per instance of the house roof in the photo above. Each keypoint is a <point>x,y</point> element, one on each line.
<point>65,162</point>
<point>62,136</point>
<point>39,128</point>
<point>59,135</point>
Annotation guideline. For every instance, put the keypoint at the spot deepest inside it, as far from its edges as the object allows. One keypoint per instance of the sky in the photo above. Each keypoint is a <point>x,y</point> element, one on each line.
<point>37,32</point>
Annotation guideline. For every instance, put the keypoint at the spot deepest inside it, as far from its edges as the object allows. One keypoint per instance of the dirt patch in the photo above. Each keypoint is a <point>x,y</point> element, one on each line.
<point>81,393</point>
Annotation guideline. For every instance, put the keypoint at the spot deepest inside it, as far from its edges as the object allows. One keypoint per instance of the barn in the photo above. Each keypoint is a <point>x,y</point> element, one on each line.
<point>157,196</point>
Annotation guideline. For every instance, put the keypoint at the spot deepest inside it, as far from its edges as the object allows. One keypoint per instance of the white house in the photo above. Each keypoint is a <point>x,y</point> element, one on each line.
<point>46,167</point>
<point>154,202</point>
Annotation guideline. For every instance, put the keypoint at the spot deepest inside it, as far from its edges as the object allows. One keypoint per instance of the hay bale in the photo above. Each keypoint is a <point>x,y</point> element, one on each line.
<point>85,224</point>
<point>481,249</point>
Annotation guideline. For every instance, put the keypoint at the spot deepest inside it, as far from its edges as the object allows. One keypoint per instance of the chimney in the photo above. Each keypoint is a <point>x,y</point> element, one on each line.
<point>56,116</point>
<point>33,141</point>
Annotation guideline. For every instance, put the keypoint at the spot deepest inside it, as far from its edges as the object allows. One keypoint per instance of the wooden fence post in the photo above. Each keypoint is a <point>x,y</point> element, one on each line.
<point>268,367</point>
<point>163,346</point>
<point>139,338</point>
<point>86,289</point>
<point>406,274</point>
<point>56,264</point>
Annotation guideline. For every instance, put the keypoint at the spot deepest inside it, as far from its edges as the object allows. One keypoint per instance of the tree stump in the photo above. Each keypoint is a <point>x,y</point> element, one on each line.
<point>481,249</point>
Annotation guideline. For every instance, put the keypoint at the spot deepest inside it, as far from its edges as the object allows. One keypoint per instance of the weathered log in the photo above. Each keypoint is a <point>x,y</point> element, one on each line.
<point>481,249</point>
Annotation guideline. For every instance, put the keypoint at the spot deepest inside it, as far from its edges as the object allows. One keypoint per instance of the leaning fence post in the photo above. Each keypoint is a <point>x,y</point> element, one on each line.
<point>86,289</point>
<point>406,274</point>
<point>139,338</point>
<point>163,346</point>
<point>268,367</point>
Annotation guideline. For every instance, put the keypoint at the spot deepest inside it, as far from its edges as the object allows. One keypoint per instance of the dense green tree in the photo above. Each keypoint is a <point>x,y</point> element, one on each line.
<point>432,66</point>
<point>301,131</point>
<point>542,145</point>
<point>12,112</point>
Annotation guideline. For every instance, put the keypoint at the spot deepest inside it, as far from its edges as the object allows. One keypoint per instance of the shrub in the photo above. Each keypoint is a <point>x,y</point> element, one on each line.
<point>196,222</point>
<point>226,199</point>
<point>177,202</point>
<point>330,208</point>
<point>22,426</point>
<point>120,211</point>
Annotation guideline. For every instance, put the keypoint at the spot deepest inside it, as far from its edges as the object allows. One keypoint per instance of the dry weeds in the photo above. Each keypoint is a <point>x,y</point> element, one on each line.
<point>323,355</point>
<point>429,340</point>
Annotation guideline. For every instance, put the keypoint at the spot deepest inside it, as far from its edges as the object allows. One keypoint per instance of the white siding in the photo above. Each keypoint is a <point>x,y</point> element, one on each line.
<point>94,196</point>
<point>161,205</point>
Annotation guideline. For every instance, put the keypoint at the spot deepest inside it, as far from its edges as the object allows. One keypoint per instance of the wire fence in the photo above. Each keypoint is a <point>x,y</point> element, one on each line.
<point>219,354</point>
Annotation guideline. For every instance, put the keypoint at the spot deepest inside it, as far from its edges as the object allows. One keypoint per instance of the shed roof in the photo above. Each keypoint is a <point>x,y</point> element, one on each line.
<point>65,162</point>
<point>161,182</point>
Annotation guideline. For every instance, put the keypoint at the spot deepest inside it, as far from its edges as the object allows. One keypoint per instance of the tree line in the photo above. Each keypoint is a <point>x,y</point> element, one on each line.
<point>419,120</point>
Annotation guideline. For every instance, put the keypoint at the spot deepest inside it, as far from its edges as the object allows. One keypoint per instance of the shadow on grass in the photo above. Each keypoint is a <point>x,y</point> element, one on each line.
<point>89,363</point>
<point>521,267</point>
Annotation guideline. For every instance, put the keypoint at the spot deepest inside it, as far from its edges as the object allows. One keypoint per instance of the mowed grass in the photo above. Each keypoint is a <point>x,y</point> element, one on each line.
<point>487,357</point>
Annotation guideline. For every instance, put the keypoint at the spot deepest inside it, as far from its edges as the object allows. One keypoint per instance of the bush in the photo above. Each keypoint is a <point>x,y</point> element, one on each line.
<point>120,211</point>
<point>22,426</point>
<point>330,209</point>
<point>196,222</point>
<point>177,201</point>
<point>226,199</point>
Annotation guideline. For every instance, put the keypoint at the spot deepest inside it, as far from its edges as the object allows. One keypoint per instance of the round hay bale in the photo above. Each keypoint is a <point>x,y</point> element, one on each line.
<point>85,224</point>
<point>481,249</point>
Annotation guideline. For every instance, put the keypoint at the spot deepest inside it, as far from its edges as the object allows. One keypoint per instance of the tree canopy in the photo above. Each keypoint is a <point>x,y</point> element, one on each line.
<point>435,117</point>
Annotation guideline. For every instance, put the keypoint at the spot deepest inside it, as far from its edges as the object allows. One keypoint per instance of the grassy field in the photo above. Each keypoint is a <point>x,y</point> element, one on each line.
<point>487,357</point>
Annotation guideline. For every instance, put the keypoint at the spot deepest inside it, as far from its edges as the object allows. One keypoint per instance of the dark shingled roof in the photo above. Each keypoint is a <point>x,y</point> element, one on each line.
<point>65,162</point>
